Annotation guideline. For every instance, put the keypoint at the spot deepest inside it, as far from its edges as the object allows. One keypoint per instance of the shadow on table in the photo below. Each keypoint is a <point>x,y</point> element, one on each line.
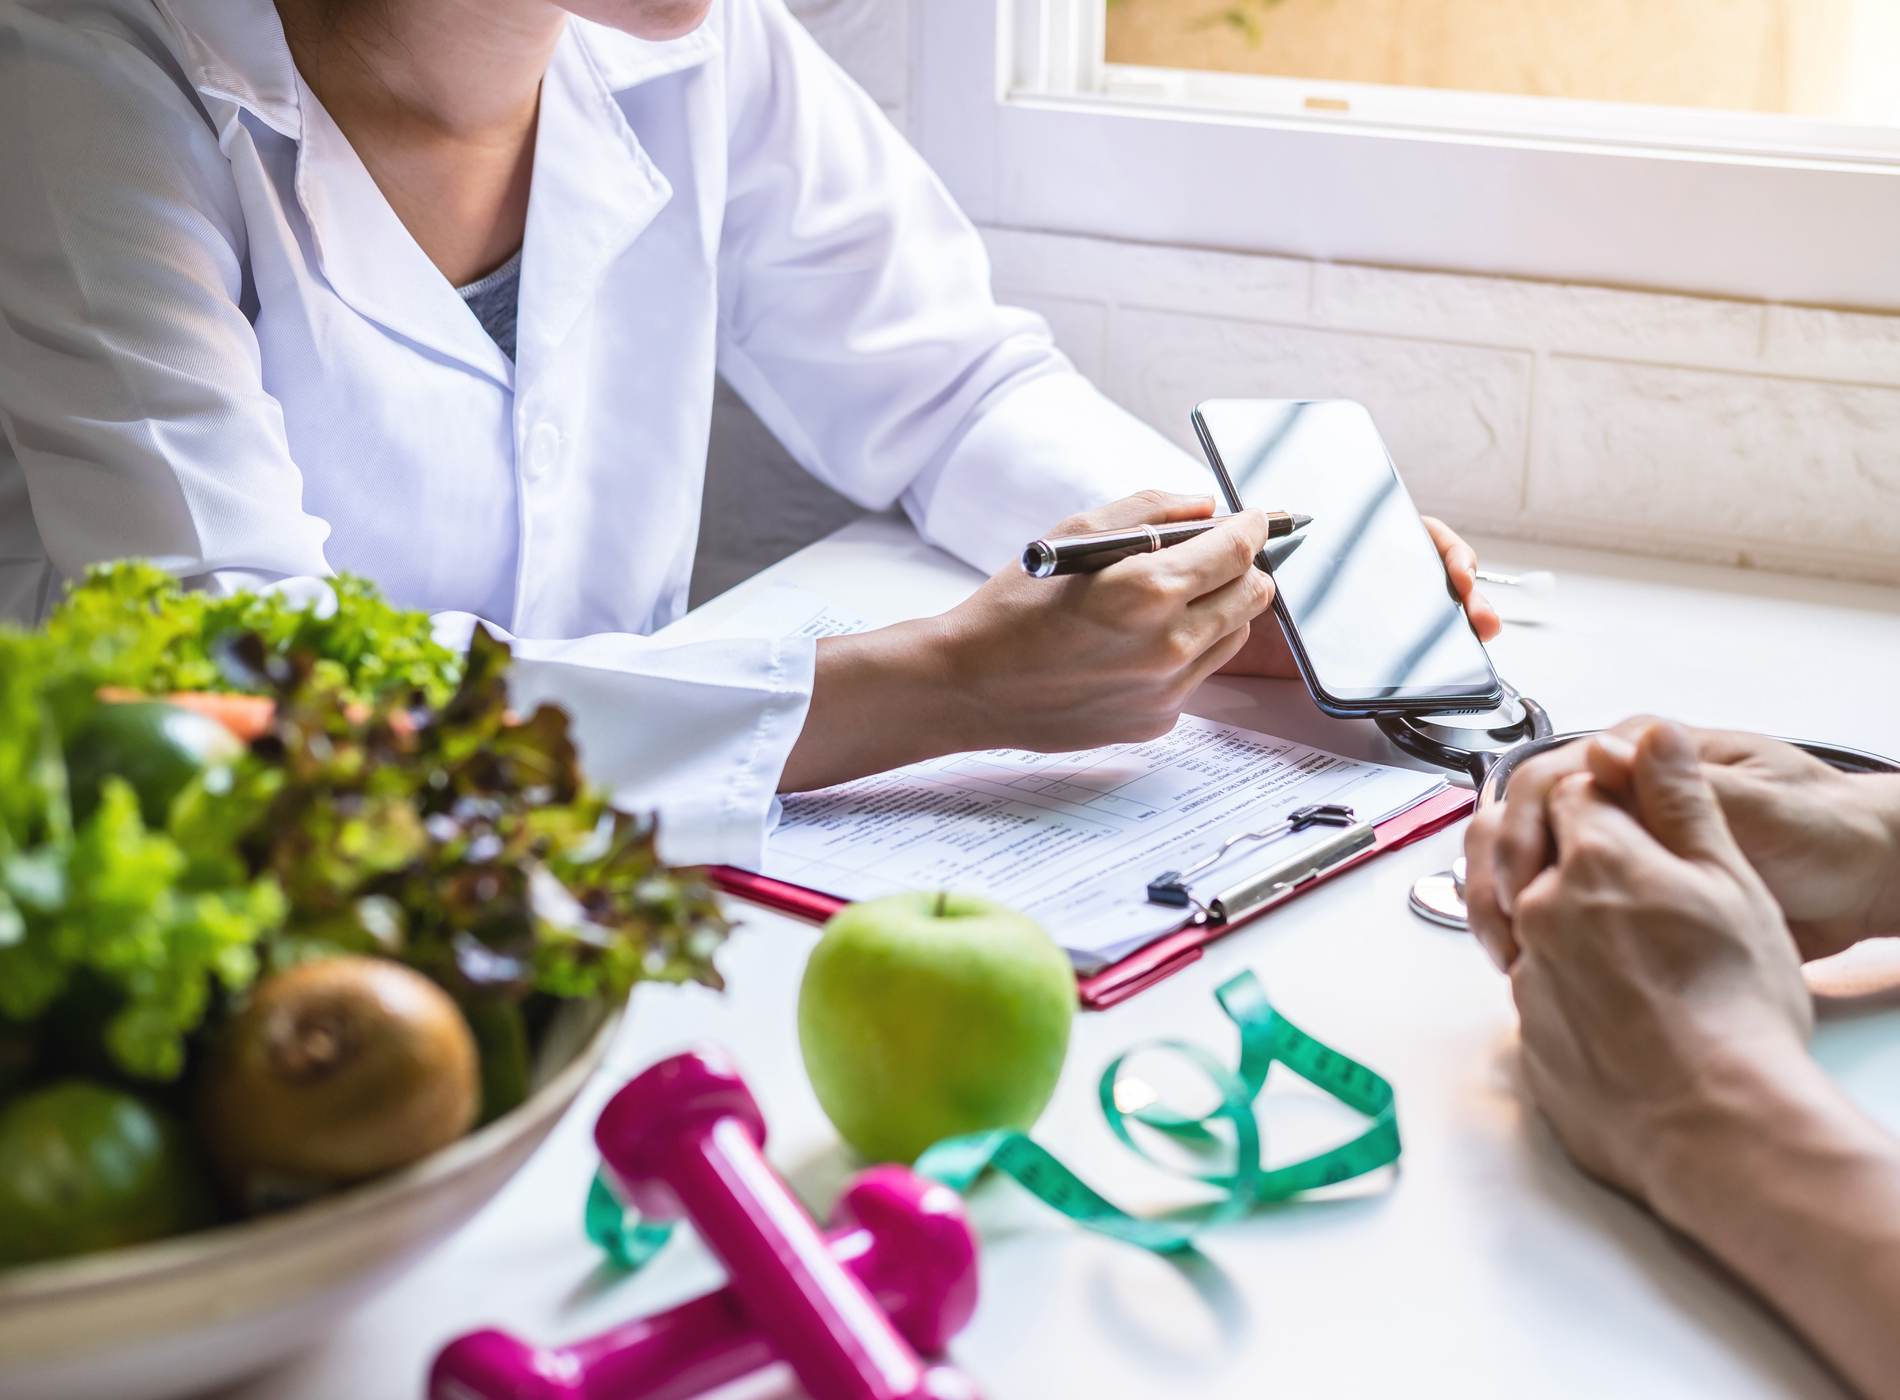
<point>598,1281</point>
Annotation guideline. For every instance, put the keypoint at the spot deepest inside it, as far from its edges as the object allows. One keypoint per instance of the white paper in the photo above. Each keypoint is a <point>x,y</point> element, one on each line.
<point>1070,839</point>
<point>780,610</point>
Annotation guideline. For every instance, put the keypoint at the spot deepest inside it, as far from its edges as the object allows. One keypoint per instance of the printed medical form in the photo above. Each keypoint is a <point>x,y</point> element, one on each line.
<point>1070,839</point>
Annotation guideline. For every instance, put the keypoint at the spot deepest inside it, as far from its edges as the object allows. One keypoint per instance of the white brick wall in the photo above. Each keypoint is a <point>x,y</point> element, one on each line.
<point>1456,416</point>
<point>1670,425</point>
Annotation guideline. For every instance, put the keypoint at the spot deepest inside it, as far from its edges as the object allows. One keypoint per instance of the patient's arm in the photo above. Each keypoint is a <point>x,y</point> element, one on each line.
<point>1793,1188</point>
<point>1664,1035</point>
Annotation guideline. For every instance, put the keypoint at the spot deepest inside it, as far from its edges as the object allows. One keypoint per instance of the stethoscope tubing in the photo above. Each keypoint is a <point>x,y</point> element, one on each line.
<point>1502,765</point>
<point>1531,734</point>
<point>1533,726</point>
<point>1440,897</point>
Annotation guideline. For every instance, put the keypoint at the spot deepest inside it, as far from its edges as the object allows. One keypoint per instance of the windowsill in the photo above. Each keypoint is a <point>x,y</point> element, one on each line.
<point>1481,119</point>
<point>1808,224</point>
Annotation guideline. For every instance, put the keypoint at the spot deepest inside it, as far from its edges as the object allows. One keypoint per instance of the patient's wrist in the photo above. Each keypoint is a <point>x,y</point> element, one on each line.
<point>1758,1133</point>
<point>1712,1144</point>
<point>1799,1196</point>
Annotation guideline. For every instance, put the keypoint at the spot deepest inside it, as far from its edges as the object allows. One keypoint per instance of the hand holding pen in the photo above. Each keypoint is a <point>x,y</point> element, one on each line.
<point>1105,658</point>
<point>1062,555</point>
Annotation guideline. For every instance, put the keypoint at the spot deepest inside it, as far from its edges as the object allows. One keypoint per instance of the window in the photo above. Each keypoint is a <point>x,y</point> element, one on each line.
<point>1743,148</point>
<point>1827,62</point>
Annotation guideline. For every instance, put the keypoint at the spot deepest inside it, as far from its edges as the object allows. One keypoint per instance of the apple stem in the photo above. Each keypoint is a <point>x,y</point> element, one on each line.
<point>943,902</point>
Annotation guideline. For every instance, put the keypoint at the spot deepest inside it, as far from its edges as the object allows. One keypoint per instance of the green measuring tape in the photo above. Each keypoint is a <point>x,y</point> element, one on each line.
<point>1244,1182</point>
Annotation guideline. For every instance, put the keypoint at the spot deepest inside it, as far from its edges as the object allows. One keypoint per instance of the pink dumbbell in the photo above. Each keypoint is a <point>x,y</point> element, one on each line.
<point>685,1138</point>
<point>904,1238</point>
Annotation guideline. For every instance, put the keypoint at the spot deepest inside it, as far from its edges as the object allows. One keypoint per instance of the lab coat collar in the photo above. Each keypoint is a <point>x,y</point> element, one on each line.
<point>594,188</point>
<point>593,192</point>
<point>372,261</point>
<point>626,62</point>
<point>236,50</point>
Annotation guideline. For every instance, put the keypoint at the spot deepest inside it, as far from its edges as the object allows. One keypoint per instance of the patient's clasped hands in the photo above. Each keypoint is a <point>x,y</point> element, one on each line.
<point>1824,841</point>
<point>1651,962</point>
<point>1652,893</point>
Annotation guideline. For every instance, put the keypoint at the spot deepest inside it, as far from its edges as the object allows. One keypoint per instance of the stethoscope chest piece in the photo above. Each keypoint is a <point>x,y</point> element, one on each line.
<point>1472,748</point>
<point>1440,897</point>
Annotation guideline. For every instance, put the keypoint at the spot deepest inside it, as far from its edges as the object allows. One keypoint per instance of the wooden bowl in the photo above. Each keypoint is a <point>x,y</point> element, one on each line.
<point>179,1316</point>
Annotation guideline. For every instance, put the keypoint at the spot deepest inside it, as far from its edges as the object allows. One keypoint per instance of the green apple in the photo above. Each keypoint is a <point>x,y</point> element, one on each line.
<point>927,1015</point>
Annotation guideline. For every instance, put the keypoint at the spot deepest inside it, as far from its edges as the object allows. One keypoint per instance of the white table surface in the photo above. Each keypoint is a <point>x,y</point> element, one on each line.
<point>1486,1267</point>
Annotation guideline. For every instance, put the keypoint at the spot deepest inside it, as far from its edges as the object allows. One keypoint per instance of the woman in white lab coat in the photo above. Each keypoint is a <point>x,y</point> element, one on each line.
<point>232,340</point>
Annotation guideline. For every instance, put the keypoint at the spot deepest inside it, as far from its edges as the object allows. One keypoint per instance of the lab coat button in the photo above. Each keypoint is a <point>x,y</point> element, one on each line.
<point>544,447</point>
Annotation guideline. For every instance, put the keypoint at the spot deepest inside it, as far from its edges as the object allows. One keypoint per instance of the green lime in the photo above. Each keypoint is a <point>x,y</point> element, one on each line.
<point>84,1167</point>
<point>501,1039</point>
<point>19,1050</point>
<point>155,747</point>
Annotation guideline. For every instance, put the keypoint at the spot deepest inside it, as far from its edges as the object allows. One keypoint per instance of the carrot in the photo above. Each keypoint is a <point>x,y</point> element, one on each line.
<point>245,716</point>
<point>248,717</point>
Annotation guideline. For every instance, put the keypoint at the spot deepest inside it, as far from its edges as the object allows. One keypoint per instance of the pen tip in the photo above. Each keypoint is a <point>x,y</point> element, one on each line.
<point>1300,522</point>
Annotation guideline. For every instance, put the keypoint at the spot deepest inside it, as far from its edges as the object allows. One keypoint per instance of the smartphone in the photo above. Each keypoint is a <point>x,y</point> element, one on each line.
<point>1361,593</point>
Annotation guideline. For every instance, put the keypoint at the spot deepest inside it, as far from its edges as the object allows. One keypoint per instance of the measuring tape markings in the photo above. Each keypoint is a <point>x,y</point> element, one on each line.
<point>1266,1038</point>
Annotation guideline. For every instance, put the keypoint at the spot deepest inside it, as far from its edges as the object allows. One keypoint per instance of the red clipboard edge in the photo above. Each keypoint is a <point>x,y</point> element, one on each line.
<point>795,900</point>
<point>1160,960</point>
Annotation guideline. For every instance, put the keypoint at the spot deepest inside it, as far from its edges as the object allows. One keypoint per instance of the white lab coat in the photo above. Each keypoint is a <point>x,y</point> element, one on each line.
<point>220,349</point>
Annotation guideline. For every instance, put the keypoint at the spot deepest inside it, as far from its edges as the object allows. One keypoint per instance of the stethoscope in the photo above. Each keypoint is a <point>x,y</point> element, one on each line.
<point>1487,748</point>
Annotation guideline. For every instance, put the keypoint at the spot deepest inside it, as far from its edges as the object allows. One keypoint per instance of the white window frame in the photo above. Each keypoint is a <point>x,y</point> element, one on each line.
<point>1030,129</point>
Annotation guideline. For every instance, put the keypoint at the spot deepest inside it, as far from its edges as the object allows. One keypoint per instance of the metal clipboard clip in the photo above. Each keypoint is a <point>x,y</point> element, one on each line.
<point>1268,886</point>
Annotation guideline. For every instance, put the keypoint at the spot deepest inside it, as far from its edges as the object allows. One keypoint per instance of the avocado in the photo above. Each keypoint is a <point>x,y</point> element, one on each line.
<point>155,747</point>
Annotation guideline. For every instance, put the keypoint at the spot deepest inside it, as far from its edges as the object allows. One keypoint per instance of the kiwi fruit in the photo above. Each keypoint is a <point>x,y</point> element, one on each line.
<point>334,1071</point>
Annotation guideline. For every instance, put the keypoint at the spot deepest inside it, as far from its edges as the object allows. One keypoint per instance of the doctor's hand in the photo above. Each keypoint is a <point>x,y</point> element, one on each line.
<point>1110,657</point>
<point>1045,664</point>
<point>1267,654</point>
<point>1656,982</point>
<point>1826,843</point>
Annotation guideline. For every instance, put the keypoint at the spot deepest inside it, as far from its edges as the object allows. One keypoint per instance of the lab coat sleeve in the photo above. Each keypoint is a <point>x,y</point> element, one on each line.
<point>132,393</point>
<point>130,383</point>
<point>857,321</point>
<point>697,731</point>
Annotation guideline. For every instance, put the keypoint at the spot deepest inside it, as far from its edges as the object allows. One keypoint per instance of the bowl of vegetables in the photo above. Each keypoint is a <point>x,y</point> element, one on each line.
<point>306,942</point>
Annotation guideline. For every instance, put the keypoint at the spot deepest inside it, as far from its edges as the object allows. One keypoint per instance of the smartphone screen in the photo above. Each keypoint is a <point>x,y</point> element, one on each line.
<point>1362,593</point>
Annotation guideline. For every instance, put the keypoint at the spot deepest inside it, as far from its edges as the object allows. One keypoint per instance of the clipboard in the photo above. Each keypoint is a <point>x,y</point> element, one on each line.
<point>1157,961</point>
